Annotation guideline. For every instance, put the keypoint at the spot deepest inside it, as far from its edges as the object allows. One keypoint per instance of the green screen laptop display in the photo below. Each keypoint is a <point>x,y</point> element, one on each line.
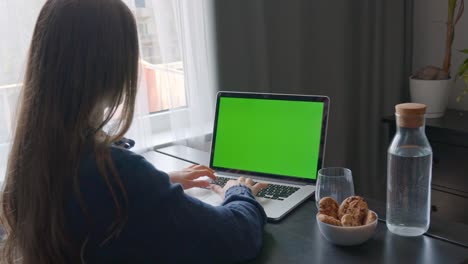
<point>269,136</point>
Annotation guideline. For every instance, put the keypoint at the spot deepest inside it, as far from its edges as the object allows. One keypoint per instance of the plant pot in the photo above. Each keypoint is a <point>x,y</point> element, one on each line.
<point>433,93</point>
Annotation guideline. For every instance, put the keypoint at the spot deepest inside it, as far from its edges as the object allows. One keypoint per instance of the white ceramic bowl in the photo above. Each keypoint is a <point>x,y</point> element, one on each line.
<point>347,236</point>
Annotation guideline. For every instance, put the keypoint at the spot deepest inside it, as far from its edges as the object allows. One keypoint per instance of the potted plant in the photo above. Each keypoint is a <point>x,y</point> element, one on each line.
<point>463,74</point>
<point>431,85</point>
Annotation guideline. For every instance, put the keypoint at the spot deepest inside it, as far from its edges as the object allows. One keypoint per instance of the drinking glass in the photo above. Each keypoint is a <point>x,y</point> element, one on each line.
<point>334,182</point>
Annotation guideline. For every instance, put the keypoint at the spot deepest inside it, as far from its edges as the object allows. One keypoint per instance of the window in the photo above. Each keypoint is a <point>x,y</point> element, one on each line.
<point>140,3</point>
<point>8,98</point>
<point>163,78</point>
<point>161,57</point>
<point>143,29</point>
<point>160,54</point>
<point>165,84</point>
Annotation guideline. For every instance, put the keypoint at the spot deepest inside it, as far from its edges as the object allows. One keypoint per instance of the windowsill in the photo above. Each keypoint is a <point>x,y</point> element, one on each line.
<point>154,141</point>
<point>159,139</point>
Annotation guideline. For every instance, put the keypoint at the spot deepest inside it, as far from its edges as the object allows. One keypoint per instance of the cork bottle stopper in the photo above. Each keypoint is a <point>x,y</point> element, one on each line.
<point>410,115</point>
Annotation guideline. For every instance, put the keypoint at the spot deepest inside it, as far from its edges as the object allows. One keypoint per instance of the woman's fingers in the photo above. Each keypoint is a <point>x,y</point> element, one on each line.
<point>249,182</point>
<point>201,167</point>
<point>200,173</point>
<point>254,187</point>
<point>196,171</point>
<point>258,187</point>
<point>208,168</point>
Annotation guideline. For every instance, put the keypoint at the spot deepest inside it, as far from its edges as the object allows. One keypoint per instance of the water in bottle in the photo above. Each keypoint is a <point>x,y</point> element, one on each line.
<point>409,174</point>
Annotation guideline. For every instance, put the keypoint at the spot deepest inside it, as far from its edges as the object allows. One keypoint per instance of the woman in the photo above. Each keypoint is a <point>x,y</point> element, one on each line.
<point>70,197</point>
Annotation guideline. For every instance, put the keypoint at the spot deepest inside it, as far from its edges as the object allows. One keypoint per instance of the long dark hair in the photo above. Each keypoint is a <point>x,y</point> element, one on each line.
<point>82,66</point>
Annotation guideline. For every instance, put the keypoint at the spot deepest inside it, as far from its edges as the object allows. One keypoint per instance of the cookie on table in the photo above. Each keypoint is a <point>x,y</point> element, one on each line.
<point>329,220</point>
<point>355,206</point>
<point>328,206</point>
<point>370,217</point>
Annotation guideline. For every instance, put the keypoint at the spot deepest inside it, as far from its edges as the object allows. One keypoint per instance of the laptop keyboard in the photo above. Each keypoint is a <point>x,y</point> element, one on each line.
<point>273,191</point>
<point>221,181</point>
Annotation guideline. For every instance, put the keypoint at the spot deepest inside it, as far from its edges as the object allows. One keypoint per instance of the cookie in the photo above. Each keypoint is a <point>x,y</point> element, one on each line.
<point>328,206</point>
<point>370,217</point>
<point>329,220</point>
<point>348,220</point>
<point>355,206</point>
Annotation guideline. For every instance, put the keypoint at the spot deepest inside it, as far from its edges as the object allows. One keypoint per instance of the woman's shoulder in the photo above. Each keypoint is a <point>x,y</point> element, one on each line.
<point>121,156</point>
<point>124,159</point>
<point>129,165</point>
<point>139,178</point>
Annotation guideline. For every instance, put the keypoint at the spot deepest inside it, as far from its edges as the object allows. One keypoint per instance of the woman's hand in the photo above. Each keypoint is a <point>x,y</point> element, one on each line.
<point>254,187</point>
<point>188,177</point>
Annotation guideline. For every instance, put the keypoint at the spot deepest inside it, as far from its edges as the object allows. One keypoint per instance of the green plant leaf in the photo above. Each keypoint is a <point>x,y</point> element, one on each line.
<point>463,68</point>
<point>464,51</point>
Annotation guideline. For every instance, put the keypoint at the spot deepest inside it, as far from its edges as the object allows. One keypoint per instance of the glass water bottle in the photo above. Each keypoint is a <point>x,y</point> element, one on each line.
<point>409,173</point>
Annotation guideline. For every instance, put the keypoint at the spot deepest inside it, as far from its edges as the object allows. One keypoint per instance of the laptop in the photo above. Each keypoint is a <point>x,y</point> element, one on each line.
<point>274,138</point>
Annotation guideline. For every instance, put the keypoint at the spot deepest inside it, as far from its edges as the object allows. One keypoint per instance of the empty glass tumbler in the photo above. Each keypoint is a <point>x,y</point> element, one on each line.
<point>409,173</point>
<point>334,182</point>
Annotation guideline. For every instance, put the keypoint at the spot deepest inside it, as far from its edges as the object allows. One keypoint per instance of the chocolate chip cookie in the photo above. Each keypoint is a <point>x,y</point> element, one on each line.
<point>355,206</point>
<point>348,220</point>
<point>329,220</point>
<point>328,206</point>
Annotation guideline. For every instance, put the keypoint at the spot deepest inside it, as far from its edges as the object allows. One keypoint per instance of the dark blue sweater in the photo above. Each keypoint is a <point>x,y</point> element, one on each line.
<point>163,225</point>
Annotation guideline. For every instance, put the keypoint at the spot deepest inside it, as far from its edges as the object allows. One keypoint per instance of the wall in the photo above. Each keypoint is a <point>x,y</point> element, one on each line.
<point>429,41</point>
<point>356,52</point>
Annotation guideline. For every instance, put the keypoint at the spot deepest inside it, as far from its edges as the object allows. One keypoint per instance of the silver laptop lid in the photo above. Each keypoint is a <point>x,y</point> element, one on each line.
<point>278,136</point>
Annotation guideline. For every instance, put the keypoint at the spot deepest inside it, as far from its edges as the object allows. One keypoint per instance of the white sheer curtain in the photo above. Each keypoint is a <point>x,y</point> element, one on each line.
<point>17,19</point>
<point>176,94</point>
<point>177,76</point>
<point>197,31</point>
